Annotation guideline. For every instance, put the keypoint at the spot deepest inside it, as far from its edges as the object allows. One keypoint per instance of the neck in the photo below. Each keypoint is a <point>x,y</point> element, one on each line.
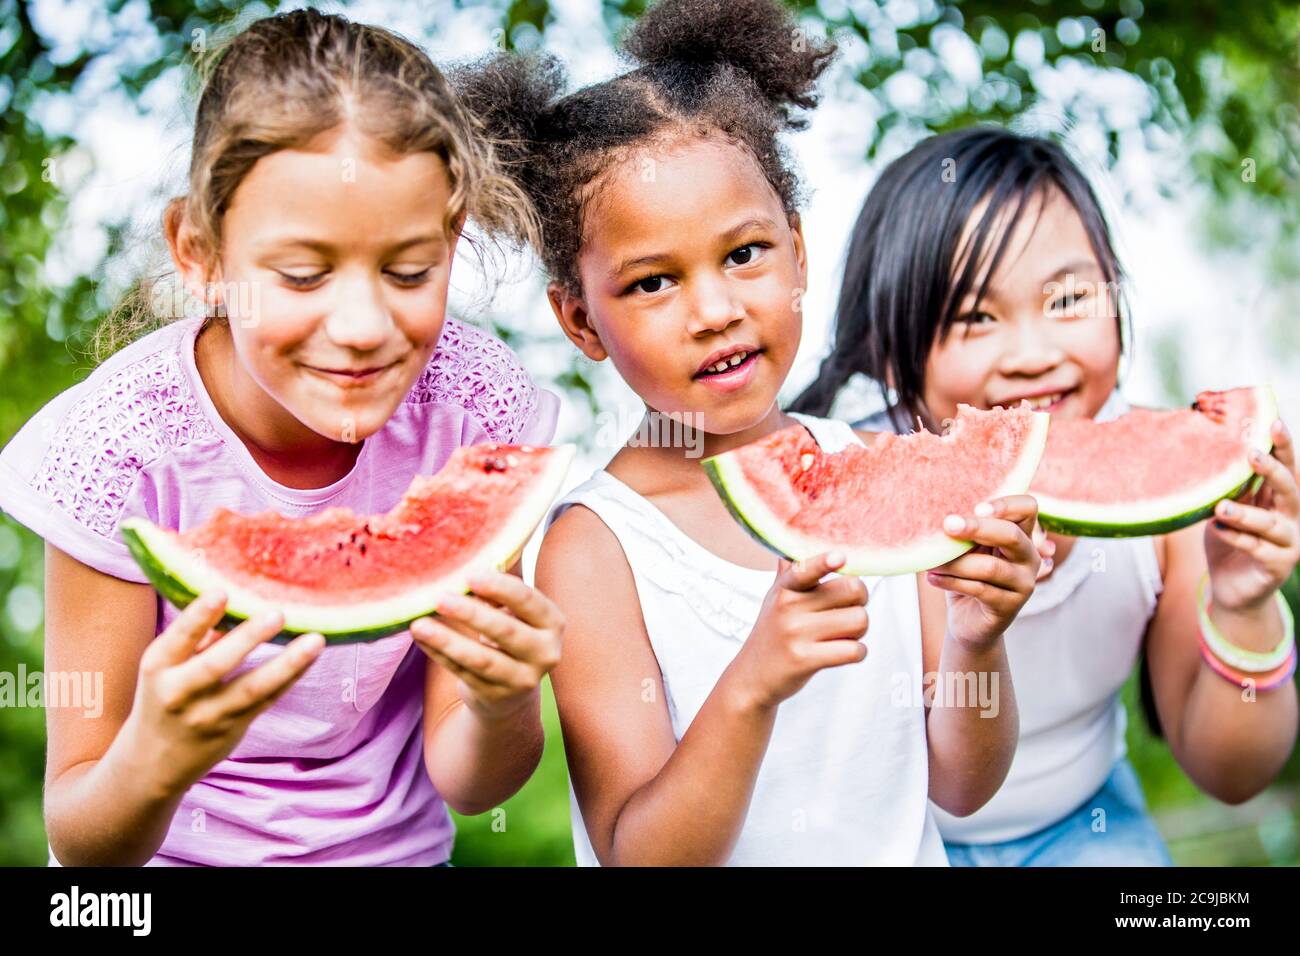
<point>286,449</point>
<point>672,451</point>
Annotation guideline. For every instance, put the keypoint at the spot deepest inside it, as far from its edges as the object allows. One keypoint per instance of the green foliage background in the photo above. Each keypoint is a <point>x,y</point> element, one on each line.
<point>1224,82</point>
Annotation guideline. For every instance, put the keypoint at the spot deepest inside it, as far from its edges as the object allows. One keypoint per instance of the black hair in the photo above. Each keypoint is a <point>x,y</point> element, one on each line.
<point>905,277</point>
<point>739,68</point>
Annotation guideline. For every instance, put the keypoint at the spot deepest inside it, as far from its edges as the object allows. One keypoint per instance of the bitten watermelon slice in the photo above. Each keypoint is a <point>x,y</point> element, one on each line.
<point>881,504</point>
<point>352,577</point>
<point>1152,471</point>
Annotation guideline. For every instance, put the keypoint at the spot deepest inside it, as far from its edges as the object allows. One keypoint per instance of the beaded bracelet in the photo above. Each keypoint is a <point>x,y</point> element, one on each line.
<point>1263,669</point>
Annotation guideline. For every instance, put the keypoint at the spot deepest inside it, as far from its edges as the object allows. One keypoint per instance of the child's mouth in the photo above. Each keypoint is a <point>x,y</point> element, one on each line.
<point>351,377</point>
<point>730,373</point>
<point>1043,403</point>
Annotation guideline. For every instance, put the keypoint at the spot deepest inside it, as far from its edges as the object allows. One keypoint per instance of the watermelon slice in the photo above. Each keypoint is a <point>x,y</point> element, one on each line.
<point>352,577</point>
<point>1152,471</point>
<point>882,504</point>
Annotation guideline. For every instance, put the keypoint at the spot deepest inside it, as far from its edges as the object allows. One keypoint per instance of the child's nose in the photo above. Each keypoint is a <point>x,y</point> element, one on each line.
<point>361,320</point>
<point>1032,349</point>
<point>713,307</point>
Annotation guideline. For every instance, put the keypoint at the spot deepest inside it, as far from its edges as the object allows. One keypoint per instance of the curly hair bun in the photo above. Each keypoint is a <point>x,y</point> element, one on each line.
<point>757,38</point>
<point>510,95</point>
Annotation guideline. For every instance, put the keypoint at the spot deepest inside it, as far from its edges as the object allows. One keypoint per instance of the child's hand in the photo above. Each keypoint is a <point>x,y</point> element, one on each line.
<point>1046,548</point>
<point>1253,544</point>
<point>802,627</point>
<point>187,716</point>
<point>991,582</point>
<point>499,650</point>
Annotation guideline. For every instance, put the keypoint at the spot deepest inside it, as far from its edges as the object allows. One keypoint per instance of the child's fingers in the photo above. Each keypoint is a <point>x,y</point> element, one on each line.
<point>836,653</point>
<point>804,575</point>
<point>473,681</point>
<point>209,668</point>
<point>1266,554</point>
<point>980,566</point>
<point>488,664</point>
<point>191,626</point>
<point>527,604</point>
<point>838,623</point>
<point>990,595</point>
<point>1267,525</point>
<point>1283,446</point>
<point>1280,480</point>
<point>263,685</point>
<point>843,591</point>
<point>1020,509</point>
<point>468,613</point>
<point>999,533</point>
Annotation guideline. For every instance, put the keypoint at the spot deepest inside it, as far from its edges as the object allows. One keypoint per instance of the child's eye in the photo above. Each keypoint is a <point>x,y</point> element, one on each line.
<point>745,254</point>
<point>302,282</point>
<point>975,318</point>
<point>649,285</point>
<point>411,278</point>
<point>1069,301</point>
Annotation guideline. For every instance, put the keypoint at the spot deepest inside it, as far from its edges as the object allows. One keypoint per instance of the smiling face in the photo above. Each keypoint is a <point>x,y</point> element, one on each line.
<point>689,261</point>
<point>1046,328</point>
<point>333,271</point>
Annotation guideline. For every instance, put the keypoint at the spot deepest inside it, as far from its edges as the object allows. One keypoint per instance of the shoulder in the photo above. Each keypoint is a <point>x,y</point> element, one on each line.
<point>85,450</point>
<point>578,548</point>
<point>483,375</point>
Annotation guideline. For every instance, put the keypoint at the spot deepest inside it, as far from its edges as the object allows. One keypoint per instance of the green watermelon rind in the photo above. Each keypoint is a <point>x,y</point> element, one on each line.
<point>180,577</point>
<point>1162,517</point>
<point>745,505</point>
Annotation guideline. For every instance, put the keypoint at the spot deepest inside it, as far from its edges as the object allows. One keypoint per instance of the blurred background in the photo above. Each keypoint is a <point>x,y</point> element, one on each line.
<point>1183,112</point>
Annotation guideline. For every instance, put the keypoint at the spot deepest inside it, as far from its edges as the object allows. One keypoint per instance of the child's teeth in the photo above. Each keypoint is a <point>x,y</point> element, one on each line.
<point>731,362</point>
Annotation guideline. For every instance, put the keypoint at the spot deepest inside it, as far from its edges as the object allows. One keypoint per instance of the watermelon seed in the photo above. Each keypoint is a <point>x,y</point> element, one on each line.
<point>494,464</point>
<point>363,547</point>
<point>806,460</point>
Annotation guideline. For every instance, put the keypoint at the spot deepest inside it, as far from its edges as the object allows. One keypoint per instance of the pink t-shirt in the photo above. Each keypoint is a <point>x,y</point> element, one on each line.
<point>334,771</point>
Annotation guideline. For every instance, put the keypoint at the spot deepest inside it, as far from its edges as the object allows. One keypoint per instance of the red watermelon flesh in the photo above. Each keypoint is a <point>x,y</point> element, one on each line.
<point>883,503</point>
<point>1151,471</point>
<point>351,576</point>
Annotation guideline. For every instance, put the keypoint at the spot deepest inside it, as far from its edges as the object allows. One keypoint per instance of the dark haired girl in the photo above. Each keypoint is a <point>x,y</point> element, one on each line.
<point>981,271</point>
<point>716,704</point>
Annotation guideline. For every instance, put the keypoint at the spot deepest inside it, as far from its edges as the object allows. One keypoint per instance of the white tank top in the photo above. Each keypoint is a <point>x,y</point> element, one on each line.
<point>1070,650</point>
<point>846,773</point>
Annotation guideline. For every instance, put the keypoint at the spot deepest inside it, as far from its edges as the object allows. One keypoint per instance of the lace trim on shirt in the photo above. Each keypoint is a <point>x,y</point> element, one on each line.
<point>135,416</point>
<point>482,374</point>
<point>669,566</point>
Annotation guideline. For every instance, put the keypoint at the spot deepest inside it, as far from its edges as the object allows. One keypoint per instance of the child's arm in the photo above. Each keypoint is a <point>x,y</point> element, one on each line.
<point>1231,742</point>
<point>646,798</point>
<point>483,725</point>
<point>113,780</point>
<point>972,724</point>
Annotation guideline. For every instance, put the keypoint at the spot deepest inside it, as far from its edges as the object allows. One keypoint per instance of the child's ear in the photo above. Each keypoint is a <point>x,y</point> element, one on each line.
<point>194,263</point>
<point>457,227</point>
<point>800,249</point>
<point>571,311</point>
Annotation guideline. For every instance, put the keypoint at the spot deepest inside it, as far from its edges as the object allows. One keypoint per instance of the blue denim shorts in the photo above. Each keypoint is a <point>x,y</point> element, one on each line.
<point>1130,837</point>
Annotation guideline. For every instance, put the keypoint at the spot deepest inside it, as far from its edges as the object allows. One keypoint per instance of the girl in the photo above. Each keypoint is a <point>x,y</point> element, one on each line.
<point>713,711</point>
<point>1003,285</point>
<point>332,172</point>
